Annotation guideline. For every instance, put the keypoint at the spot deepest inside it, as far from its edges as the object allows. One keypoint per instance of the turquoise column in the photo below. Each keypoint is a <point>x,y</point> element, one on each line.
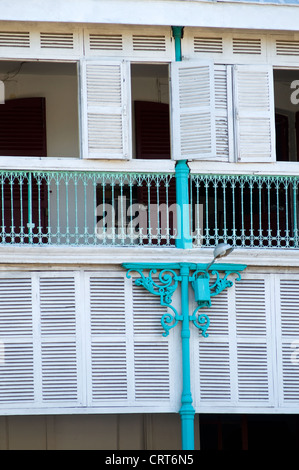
<point>183,239</point>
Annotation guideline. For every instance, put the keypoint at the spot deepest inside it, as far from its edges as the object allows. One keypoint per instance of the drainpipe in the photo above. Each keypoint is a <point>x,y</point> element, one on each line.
<point>177,32</point>
<point>187,410</point>
<point>184,241</point>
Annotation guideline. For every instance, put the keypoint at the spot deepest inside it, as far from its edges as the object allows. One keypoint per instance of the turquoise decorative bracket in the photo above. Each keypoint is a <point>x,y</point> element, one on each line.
<point>163,279</point>
<point>164,285</point>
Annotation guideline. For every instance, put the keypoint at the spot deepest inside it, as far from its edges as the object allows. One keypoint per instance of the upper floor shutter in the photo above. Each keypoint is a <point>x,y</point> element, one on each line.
<point>254,113</point>
<point>106,109</point>
<point>223,112</point>
<point>193,111</point>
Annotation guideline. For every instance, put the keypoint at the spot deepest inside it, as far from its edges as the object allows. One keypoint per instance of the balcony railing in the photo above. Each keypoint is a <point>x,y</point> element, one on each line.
<point>249,211</point>
<point>86,208</point>
<point>139,209</point>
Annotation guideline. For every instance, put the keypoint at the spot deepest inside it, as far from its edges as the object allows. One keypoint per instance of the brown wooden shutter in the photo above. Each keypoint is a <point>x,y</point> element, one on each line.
<point>152,130</point>
<point>23,127</point>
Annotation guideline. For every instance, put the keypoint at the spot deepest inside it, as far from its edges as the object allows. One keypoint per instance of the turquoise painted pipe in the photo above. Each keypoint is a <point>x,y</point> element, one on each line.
<point>187,411</point>
<point>177,32</point>
<point>183,239</point>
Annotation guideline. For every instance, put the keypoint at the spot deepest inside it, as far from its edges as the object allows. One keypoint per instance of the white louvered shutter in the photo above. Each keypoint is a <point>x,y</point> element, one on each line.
<point>215,375</point>
<point>106,109</point>
<point>235,361</point>
<point>16,342</point>
<point>214,356</point>
<point>253,333</point>
<point>129,359</point>
<point>288,344</point>
<point>193,111</point>
<point>59,339</point>
<point>151,349</point>
<point>108,341</point>
<point>223,113</point>
<point>254,113</point>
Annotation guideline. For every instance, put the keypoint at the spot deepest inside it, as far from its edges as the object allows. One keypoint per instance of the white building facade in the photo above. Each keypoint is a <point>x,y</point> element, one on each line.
<point>97,111</point>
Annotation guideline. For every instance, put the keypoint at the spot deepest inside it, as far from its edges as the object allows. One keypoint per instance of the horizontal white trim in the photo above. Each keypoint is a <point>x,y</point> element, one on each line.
<point>154,12</point>
<point>68,256</point>
<point>20,411</point>
<point>77,164</point>
<point>275,168</point>
<point>68,410</point>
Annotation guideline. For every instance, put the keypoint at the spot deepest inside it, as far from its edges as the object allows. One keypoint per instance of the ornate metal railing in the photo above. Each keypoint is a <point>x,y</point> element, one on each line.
<point>249,211</point>
<point>86,208</point>
<point>139,209</point>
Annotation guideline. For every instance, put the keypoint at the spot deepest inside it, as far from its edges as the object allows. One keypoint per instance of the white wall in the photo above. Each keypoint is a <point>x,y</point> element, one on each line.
<point>158,12</point>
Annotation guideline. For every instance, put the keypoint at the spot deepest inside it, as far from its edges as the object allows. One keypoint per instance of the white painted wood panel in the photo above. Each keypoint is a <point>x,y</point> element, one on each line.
<point>106,110</point>
<point>254,113</point>
<point>193,110</point>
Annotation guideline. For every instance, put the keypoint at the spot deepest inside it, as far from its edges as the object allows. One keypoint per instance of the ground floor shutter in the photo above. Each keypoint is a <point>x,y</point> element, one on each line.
<point>39,340</point>
<point>288,345</point>
<point>78,340</point>
<point>129,358</point>
<point>235,362</point>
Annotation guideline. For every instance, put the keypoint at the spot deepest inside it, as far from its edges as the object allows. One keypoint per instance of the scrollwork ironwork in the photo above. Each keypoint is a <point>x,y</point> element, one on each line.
<point>162,282</point>
<point>163,285</point>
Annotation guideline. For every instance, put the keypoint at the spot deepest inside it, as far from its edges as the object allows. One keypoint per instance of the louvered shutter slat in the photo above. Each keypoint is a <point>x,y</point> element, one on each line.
<point>193,117</point>
<point>147,312</point>
<point>254,103</point>
<point>214,371</point>
<point>107,110</point>
<point>16,338</point>
<point>214,354</point>
<point>151,351</point>
<point>289,330</point>
<point>108,348</point>
<point>151,370</point>
<point>59,361</point>
<point>235,362</point>
<point>56,40</point>
<point>252,328</point>
<point>222,118</point>
<point>15,39</point>
<point>17,373</point>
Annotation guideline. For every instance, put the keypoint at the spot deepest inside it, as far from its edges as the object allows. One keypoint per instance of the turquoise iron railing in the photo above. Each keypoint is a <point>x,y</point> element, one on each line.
<point>86,208</point>
<point>249,211</point>
<point>138,209</point>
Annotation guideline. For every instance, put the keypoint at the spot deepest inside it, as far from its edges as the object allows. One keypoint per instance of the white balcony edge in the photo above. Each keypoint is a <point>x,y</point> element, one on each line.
<point>67,256</point>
